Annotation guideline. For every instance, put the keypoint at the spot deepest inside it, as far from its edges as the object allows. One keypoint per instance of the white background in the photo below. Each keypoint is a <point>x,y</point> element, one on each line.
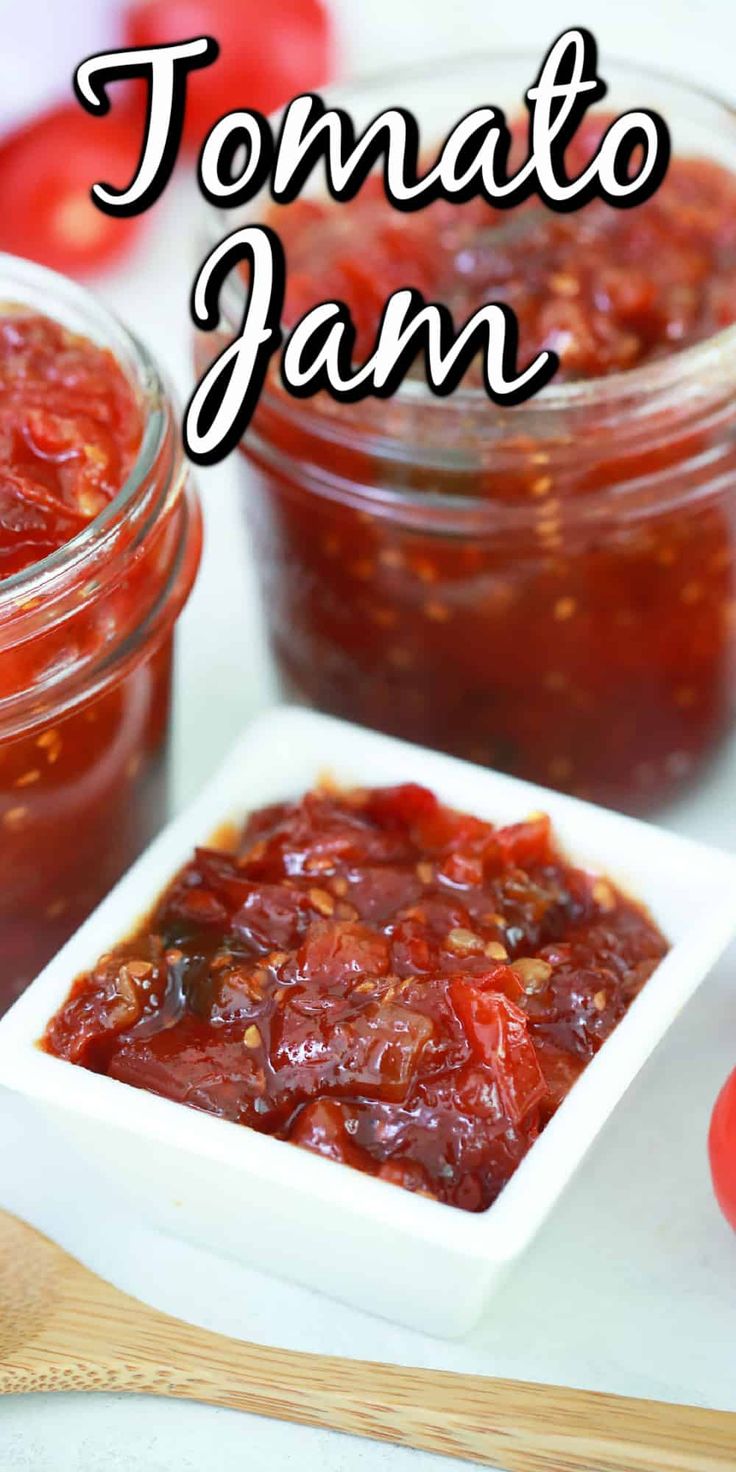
<point>631,1285</point>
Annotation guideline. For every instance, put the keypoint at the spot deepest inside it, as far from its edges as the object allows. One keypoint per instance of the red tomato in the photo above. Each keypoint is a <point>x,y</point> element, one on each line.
<point>722,1149</point>
<point>46,171</point>
<point>268,53</point>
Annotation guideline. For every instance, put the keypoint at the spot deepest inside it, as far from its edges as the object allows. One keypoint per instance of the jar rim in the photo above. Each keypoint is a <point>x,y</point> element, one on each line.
<point>655,381</point>
<point>26,284</point>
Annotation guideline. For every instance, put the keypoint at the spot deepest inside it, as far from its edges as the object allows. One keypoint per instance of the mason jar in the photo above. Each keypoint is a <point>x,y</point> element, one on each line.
<point>86,638</point>
<point>546,589</point>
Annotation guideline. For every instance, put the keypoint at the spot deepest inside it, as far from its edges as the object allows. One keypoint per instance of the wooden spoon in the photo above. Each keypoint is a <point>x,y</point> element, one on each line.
<point>63,1328</point>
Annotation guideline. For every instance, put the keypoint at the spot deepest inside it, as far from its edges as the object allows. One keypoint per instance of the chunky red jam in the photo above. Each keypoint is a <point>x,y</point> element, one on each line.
<point>606,289</point>
<point>376,978</point>
<point>84,701</point>
<point>70,428</point>
<point>546,591</point>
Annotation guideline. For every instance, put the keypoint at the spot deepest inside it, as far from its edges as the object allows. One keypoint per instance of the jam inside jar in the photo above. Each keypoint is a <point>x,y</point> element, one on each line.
<point>547,589</point>
<point>99,543</point>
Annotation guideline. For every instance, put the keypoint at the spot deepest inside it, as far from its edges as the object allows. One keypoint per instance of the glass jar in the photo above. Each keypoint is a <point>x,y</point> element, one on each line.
<point>547,589</point>
<point>85,667</point>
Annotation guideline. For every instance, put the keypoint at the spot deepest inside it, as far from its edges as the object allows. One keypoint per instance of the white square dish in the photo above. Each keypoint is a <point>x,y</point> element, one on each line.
<point>290,1212</point>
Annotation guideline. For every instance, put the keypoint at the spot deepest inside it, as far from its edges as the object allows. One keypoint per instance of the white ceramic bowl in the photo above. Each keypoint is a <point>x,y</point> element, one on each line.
<point>293,1213</point>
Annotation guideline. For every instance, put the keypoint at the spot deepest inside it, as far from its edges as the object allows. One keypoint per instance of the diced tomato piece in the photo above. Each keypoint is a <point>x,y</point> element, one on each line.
<point>464,869</point>
<point>374,1053</point>
<point>410,952</point>
<point>498,1033</point>
<point>447,831</point>
<point>401,807</point>
<point>526,843</point>
<point>500,978</point>
<point>272,917</point>
<point>336,953</point>
<point>320,1127</point>
<point>212,1072</point>
<point>200,906</point>
<point>378,892</point>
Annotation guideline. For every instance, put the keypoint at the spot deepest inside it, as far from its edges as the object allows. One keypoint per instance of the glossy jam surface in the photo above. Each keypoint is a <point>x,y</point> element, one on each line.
<point>82,785</point>
<point>606,289</point>
<point>70,428</point>
<point>573,621</point>
<point>376,978</point>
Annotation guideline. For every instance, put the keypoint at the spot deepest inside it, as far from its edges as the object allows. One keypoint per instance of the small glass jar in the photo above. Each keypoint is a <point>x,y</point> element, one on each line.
<point>85,667</point>
<point>547,589</point>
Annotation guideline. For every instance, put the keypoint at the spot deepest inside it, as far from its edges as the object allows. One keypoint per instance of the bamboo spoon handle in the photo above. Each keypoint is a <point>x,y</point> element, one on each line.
<point>505,1424</point>
<point>62,1328</point>
<point>115,1343</point>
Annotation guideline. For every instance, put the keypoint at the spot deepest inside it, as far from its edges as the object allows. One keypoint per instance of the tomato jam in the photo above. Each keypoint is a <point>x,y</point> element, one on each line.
<point>90,581</point>
<point>374,977</point>
<point>70,428</point>
<point>547,589</point>
<point>605,289</point>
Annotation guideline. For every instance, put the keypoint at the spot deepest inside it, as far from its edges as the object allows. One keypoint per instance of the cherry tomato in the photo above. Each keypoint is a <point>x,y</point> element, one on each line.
<point>46,171</point>
<point>268,53</point>
<point>722,1149</point>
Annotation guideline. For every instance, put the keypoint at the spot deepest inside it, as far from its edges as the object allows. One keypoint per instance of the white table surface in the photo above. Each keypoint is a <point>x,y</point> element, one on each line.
<point>630,1285</point>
